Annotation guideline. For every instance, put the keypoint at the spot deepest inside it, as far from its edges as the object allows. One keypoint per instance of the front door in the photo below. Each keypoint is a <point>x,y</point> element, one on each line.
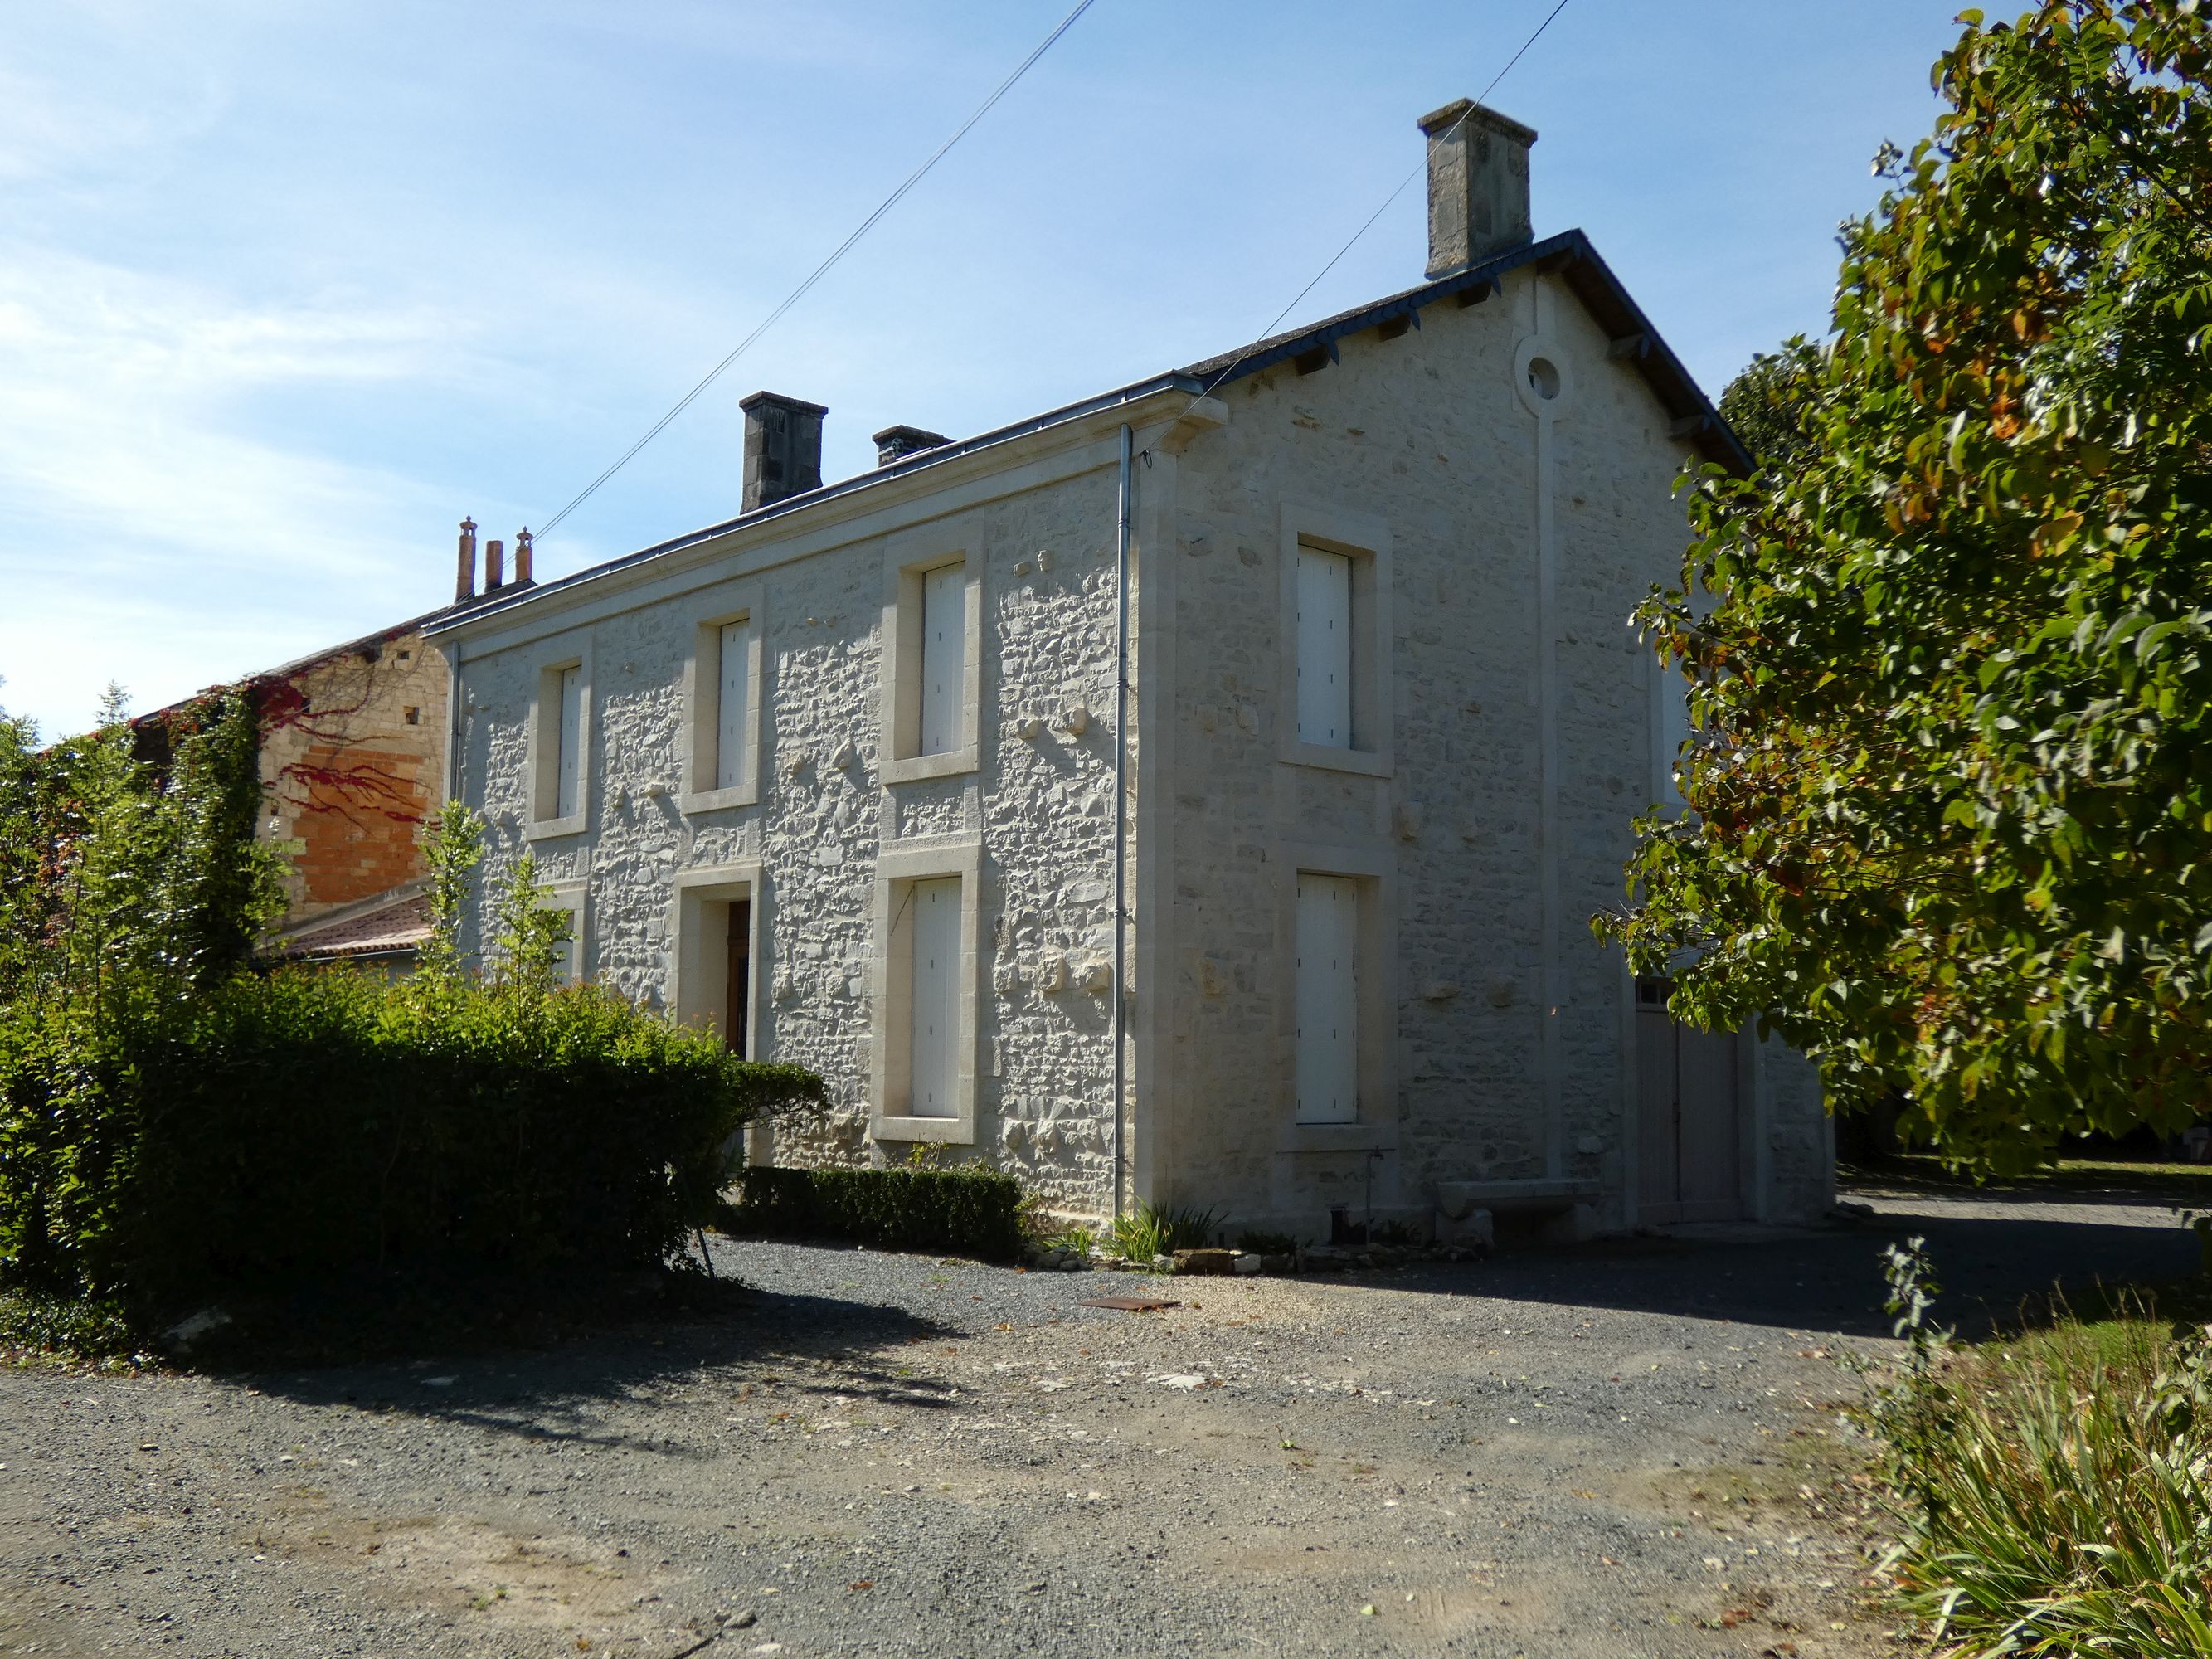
<point>736,1017</point>
<point>932,1051</point>
<point>1689,1140</point>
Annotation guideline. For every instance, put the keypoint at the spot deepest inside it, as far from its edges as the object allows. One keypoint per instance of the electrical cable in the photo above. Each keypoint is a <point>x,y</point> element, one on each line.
<point>1268,332</point>
<point>823,268</point>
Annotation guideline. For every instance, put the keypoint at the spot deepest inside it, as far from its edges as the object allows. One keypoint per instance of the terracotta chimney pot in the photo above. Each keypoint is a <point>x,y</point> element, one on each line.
<point>464,578</point>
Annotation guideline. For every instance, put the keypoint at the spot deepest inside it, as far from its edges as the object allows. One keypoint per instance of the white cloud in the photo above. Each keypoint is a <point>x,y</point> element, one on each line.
<point>149,517</point>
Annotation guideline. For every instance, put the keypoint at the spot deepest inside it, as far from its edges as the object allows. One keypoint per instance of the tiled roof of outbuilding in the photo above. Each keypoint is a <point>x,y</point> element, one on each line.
<point>399,925</point>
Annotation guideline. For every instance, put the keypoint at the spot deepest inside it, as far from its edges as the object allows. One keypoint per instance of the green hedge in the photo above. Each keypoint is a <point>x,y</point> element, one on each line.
<point>972,1209</point>
<point>307,1126</point>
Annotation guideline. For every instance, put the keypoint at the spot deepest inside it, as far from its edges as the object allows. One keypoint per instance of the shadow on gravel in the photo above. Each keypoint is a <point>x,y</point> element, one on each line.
<point>808,1344</point>
<point>1990,1265</point>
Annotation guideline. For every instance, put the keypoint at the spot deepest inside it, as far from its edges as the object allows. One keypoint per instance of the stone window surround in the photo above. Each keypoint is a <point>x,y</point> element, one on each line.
<point>1374,865</point>
<point>554,655</point>
<point>573,898</point>
<point>698,989</point>
<point>906,558</point>
<point>898,866</point>
<point>730,603</point>
<point>1363,539</point>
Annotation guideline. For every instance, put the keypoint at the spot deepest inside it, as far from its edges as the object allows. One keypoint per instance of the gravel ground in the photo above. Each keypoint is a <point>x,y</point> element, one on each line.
<point>1598,1452</point>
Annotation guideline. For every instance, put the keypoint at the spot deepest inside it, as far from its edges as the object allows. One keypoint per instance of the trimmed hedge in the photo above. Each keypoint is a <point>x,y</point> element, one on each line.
<point>307,1127</point>
<point>971,1208</point>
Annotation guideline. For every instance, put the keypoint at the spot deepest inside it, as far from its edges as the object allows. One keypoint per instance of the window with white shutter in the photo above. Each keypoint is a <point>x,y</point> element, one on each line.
<point>942,668</point>
<point>1324,647</point>
<point>568,773</point>
<point>732,755</point>
<point>1328,999</point>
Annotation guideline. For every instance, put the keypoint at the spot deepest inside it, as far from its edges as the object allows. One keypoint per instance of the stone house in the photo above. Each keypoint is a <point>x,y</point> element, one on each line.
<point>1309,662</point>
<point>354,744</point>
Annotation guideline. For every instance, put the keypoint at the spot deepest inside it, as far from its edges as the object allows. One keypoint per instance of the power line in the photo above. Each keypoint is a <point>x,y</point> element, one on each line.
<point>1369,223</point>
<point>823,268</point>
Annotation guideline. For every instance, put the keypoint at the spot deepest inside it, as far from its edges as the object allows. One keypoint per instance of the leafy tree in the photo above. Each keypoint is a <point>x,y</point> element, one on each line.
<point>1761,404</point>
<point>533,936</point>
<point>1951,796</point>
<point>452,847</point>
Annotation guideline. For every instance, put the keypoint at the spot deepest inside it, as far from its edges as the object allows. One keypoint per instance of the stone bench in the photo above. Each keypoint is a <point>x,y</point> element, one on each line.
<point>1466,1209</point>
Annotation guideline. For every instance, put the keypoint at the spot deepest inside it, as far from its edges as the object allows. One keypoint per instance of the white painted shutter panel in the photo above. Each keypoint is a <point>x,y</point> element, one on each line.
<point>732,759</point>
<point>1324,647</point>
<point>1674,732</point>
<point>1328,999</point>
<point>566,795</point>
<point>933,1047</point>
<point>943,637</point>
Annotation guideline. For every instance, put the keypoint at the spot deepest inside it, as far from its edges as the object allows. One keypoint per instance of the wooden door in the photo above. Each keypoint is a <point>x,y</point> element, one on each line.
<point>737,1017</point>
<point>1328,999</point>
<point>933,1047</point>
<point>1689,1139</point>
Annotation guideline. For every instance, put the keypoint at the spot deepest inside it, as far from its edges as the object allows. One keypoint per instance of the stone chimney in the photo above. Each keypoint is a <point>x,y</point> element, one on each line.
<point>783,448</point>
<point>1478,185</point>
<point>522,546</point>
<point>494,564</point>
<point>464,578</point>
<point>895,443</point>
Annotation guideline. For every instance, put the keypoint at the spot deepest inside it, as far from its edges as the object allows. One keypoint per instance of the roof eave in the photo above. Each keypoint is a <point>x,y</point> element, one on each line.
<point>1568,255</point>
<point>920,462</point>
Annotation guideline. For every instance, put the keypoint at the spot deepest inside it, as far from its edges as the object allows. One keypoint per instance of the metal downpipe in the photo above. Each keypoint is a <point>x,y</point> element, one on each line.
<point>1121,820</point>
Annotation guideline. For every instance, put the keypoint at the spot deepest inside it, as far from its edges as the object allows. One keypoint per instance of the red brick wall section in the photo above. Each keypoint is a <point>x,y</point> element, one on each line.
<point>348,850</point>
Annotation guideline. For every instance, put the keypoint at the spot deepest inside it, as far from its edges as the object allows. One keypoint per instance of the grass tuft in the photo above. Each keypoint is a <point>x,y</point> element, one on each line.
<point>2053,1495</point>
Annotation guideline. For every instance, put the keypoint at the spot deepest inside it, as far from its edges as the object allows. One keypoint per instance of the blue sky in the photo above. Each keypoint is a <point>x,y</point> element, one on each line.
<point>286,289</point>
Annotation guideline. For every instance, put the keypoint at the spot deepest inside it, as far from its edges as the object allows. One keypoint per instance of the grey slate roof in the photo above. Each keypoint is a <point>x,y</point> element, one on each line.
<point>1569,255</point>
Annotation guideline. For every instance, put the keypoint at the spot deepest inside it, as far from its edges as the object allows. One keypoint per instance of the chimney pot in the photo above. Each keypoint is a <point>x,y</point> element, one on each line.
<point>895,443</point>
<point>783,448</point>
<point>494,564</point>
<point>1478,185</point>
<point>464,578</point>
<point>522,550</point>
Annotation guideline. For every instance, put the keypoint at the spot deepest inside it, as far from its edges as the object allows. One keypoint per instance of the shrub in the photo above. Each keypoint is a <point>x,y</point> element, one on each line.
<point>970,1208</point>
<point>1261,1242</point>
<point>311,1125</point>
<point>2053,1496</point>
<point>1185,1226</point>
<point>1134,1236</point>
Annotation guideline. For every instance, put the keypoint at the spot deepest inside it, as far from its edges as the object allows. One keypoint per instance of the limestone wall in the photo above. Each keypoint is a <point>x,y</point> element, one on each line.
<point>1040,806</point>
<point>1431,436</point>
<point>1500,1035</point>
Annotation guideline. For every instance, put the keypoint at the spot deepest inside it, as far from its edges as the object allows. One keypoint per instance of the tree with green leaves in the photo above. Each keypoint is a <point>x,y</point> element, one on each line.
<point>1950,793</point>
<point>533,935</point>
<point>1760,404</point>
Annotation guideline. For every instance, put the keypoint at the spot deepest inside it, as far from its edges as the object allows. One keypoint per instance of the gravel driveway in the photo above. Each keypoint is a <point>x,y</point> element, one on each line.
<point>1590,1453</point>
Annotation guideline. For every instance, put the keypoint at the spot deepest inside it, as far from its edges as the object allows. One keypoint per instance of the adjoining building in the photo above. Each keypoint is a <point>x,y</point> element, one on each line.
<point>1198,793</point>
<point>355,741</point>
